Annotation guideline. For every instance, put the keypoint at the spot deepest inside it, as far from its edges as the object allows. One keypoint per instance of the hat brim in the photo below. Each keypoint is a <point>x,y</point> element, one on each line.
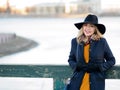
<point>100,27</point>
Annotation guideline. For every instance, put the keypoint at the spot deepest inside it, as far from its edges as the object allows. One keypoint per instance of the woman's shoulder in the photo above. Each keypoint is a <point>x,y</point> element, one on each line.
<point>103,39</point>
<point>74,40</point>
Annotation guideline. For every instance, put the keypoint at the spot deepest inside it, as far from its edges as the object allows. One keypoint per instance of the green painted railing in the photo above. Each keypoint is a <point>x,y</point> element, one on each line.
<point>60,73</point>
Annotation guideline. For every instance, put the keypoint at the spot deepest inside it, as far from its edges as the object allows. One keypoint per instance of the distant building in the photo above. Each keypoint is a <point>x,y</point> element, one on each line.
<point>60,8</point>
<point>47,9</point>
<point>111,8</point>
<point>64,7</point>
<point>85,6</point>
<point>8,9</point>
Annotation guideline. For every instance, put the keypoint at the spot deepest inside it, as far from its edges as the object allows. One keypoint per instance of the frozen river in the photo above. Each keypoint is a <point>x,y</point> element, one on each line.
<point>54,37</point>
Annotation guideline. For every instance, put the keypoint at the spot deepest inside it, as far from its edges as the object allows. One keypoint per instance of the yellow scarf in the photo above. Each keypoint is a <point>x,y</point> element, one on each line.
<point>85,82</point>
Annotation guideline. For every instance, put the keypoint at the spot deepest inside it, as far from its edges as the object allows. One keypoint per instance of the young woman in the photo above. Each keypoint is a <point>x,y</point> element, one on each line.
<point>90,56</point>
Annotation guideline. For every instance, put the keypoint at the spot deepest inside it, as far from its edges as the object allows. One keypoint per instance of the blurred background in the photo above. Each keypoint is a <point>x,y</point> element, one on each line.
<point>50,23</point>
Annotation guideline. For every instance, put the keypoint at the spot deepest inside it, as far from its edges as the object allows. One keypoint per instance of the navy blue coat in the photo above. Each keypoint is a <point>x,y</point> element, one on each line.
<point>100,53</point>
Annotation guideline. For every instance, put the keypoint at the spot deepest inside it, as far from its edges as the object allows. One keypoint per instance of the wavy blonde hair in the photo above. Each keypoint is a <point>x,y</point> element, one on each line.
<point>82,38</point>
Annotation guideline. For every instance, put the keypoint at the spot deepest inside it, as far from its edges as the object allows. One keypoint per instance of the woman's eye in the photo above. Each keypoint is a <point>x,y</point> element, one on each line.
<point>92,26</point>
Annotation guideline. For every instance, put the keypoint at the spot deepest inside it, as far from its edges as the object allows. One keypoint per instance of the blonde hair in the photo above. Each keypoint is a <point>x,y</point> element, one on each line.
<point>82,38</point>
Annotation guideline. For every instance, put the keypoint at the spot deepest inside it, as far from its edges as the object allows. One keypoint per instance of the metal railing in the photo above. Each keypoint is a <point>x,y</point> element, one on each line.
<point>59,73</point>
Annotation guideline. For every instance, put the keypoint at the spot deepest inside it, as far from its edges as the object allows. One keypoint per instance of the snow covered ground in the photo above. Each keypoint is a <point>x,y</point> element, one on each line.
<point>18,83</point>
<point>54,37</point>
<point>8,83</point>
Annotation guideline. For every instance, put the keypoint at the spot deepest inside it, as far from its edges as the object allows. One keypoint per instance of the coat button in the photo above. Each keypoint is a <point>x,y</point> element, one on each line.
<point>90,82</point>
<point>89,58</point>
<point>90,50</point>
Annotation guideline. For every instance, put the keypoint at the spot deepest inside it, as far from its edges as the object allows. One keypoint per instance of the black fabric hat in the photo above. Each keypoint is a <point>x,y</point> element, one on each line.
<point>93,20</point>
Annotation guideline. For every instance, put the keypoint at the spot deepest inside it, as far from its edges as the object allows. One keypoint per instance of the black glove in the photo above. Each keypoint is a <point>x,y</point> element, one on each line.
<point>80,66</point>
<point>92,67</point>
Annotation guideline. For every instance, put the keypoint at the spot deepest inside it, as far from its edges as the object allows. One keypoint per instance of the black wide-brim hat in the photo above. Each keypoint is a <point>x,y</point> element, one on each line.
<point>92,19</point>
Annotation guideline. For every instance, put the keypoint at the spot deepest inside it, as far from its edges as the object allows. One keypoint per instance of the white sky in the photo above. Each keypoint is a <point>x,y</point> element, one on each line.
<point>22,3</point>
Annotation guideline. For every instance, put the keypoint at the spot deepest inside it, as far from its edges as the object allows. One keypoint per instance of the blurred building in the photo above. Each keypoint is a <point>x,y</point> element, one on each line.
<point>7,9</point>
<point>47,9</point>
<point>111,8</point>
<point>85,6</point>
<point>61,8</point>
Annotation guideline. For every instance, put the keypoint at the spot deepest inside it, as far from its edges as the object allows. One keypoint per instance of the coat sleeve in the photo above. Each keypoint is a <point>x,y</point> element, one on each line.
<point>72,55</point>
<point>109,58</point>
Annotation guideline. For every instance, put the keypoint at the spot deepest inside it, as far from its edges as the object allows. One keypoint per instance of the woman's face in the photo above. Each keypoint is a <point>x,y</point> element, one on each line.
<point>88,29</point>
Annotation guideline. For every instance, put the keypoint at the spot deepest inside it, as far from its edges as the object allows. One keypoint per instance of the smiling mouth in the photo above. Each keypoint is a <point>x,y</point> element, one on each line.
<point>87,32</point>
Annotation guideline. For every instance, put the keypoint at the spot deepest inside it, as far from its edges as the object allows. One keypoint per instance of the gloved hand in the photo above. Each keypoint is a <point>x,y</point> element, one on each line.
<point>92,67</point>
<point>81,66</point>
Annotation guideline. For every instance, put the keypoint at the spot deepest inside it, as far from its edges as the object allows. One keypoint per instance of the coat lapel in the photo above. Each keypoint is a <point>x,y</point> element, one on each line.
<point>79,52</point>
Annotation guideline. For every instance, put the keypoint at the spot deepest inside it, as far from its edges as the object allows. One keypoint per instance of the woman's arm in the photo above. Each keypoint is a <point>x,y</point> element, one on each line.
<point>109,58</point>
<point>72,57</point>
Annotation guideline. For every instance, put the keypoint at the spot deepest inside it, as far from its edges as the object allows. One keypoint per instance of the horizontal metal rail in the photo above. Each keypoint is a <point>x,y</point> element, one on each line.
<point>59,73</point>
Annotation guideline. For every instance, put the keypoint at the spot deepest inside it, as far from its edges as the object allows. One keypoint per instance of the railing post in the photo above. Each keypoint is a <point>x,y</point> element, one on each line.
<point>58,84</point>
